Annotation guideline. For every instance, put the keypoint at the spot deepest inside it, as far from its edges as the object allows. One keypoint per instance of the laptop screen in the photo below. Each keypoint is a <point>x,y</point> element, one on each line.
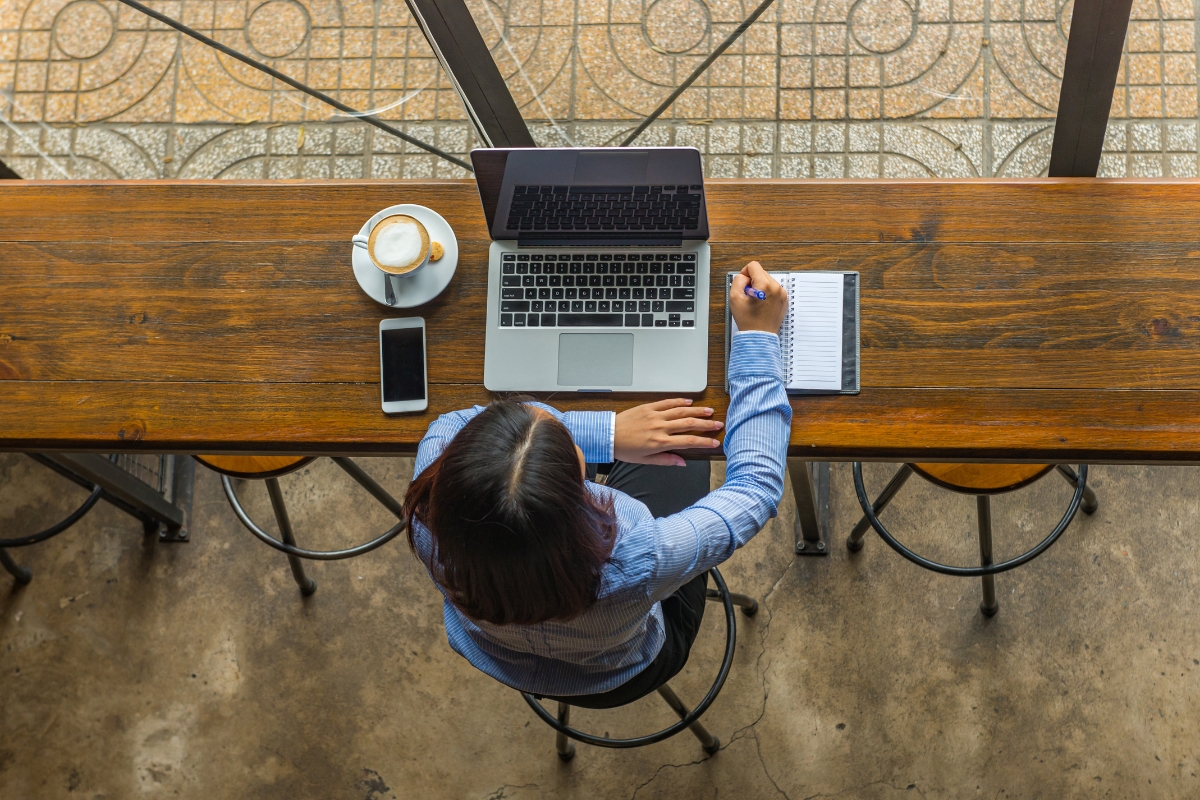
<point>602,195</point>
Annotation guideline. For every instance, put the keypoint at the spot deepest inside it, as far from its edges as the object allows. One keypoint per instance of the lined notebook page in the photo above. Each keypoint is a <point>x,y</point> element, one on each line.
<point>815,318</point>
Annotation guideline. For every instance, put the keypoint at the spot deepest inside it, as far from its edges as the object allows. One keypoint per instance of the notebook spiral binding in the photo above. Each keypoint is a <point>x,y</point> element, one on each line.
<point>785,342</point>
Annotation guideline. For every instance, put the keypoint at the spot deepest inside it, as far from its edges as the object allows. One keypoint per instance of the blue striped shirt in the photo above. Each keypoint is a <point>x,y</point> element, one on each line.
<point>621,634</point>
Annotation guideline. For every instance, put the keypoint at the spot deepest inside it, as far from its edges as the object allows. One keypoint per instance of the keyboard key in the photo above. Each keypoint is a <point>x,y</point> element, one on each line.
<point>510,256</point>
<point>660,323</point>
<point>623,294</point>
<point>515,306</point>
<point>683,294</point>
<point>676,257</point>
<point>632,320</point>
<point>647,320</point>
<point>523,257</point>
<point>564,305</point>
<point>590,320</point>
<point>611,294</point>
<point>548,320</point>
<point>531,294</point>
<point>533,320</point>
<point>536,305</point>
<point>658,306</point>
<point>577,306</point>
<point>519,321</point>
<point>618,305</point>
<point>510,294</point>
<point>689,323</point>
<point>510,280</point>
<point>544,294</point>
<point>602,306</point>
<point>644,306</point>
<point>506,320</point>
<point>589,306</point>
<point>689,280</point>
<point>527,280</point>
<point>522,269</point>
<point>679,305</point>
<point>509,269</point>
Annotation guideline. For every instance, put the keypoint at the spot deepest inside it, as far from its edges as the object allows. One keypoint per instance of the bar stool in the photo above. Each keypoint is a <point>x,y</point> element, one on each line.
<point>269,469</point>
<point>983,481</point>
<point>687,719</point>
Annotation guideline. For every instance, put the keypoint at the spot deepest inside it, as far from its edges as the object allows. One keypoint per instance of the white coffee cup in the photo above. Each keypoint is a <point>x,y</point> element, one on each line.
<point>429,250</point>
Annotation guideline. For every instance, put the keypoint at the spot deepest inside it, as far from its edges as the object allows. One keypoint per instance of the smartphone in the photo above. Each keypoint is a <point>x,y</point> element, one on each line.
<point>402,365</point>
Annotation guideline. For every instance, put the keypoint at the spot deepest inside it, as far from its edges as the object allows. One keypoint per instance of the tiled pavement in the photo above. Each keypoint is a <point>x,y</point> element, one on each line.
<point>820,88</point>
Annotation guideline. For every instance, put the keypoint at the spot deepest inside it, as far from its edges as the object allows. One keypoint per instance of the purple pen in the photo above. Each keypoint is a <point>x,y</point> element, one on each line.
<point>755,293</point>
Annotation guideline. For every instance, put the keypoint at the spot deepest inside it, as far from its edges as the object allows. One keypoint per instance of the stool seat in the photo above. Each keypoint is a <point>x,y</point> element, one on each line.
<point>254,467</point>
<point>981,478</point>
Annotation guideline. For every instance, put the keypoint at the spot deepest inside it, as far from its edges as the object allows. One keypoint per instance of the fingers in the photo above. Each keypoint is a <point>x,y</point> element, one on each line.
<point>758,277</point>
<point>686,412</point>
<point>697,442</point>
<point>740,282</point>
<point>677,426</point>
<point>674,402</point>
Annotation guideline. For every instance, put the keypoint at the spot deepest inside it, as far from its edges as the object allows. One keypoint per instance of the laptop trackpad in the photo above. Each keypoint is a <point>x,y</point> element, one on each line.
<point>595,359</point>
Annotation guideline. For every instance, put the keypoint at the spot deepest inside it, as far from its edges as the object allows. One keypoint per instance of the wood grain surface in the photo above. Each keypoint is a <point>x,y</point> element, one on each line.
<point>1037,321</point>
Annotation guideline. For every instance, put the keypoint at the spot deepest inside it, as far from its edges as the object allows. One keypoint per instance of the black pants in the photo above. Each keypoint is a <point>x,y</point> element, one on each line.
<point>665,491</point>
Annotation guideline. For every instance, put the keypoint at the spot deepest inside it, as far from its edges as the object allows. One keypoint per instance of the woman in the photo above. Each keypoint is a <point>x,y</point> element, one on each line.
<point>564,588</point>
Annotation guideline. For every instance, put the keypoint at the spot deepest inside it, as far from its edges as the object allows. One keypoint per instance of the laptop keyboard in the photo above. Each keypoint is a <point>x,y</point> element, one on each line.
<point>553,289</point>
<point>605,208</point>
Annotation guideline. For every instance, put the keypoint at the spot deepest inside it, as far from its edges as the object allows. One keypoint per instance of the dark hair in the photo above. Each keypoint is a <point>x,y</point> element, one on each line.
<point>517,538</point>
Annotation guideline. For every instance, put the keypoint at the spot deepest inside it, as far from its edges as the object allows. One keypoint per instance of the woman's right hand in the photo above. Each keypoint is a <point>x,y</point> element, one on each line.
<point>752,314</point>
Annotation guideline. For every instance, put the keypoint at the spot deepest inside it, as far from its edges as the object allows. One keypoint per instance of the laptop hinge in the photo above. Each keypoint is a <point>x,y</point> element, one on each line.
<point>523,241</point>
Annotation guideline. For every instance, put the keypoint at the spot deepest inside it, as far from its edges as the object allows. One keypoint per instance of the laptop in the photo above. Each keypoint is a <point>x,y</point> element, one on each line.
<point>598,271</point>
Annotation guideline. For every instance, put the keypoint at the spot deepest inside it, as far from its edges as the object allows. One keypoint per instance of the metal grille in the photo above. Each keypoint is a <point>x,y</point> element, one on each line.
<point>153,469</point>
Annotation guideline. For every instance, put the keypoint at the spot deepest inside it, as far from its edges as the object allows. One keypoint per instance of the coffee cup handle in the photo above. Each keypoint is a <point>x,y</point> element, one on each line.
<point>360,241</point>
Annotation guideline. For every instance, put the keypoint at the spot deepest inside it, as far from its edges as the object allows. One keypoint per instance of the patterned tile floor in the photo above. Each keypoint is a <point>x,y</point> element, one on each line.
<point>821,88</point>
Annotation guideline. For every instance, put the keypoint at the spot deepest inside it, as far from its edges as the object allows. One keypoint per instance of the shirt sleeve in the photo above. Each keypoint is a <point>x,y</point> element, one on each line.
<point>757,427</point>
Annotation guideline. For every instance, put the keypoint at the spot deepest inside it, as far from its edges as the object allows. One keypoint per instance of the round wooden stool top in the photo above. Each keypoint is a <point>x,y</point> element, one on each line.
<point>254,467</point>
<point>981,478</point>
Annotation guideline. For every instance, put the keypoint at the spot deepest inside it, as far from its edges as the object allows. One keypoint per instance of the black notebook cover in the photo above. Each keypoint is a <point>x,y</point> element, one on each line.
<point>850,337</point>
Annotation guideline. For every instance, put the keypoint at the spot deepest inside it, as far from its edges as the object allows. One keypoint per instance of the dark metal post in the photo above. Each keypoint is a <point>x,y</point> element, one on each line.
<point>307,585</point>
<point>564,746</point>
<point>989,606</point>
<point>183,480</point>
<point>22,574</point>
<point>1090,501</point>
<point>810,488</point>
<point>855,541</point>
<point>460,49</point>
<point>368,483</point>
<point>709,743</point>
<point>1089,76</point>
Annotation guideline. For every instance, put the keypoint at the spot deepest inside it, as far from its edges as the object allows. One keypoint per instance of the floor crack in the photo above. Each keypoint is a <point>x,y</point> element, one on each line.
<point>502,792</point>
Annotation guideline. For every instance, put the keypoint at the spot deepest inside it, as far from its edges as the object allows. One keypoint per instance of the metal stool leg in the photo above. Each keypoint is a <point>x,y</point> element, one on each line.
<point>564,746</point>
<point>745,602</point>
<point>307,585</point>
<point>1090,501</point>
<point>21,574</point>
<point>989,606</point>
<point>708,742</point>
<point>855,542</point>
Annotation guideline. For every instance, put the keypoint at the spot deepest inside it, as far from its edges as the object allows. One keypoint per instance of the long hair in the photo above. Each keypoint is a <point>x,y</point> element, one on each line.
<point>517,538</point>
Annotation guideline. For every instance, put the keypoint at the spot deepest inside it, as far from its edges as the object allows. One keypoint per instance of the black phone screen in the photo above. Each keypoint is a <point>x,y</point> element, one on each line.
<point>403,364</point>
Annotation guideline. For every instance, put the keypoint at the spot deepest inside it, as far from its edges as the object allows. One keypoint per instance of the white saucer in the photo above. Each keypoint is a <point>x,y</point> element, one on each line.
<point>429,281</point>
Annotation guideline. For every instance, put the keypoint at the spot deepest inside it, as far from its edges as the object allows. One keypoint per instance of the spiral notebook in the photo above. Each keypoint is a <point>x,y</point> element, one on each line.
<point>819,335</point>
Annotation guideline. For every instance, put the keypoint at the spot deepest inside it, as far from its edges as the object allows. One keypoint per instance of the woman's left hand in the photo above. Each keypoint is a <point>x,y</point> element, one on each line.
<point>644,433</point>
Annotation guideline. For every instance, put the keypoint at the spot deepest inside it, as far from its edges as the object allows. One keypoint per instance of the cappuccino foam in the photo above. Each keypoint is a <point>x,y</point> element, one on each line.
<point>399,244</point>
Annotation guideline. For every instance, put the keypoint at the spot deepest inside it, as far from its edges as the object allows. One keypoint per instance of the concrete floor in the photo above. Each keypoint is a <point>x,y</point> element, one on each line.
<point>134,669</point>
